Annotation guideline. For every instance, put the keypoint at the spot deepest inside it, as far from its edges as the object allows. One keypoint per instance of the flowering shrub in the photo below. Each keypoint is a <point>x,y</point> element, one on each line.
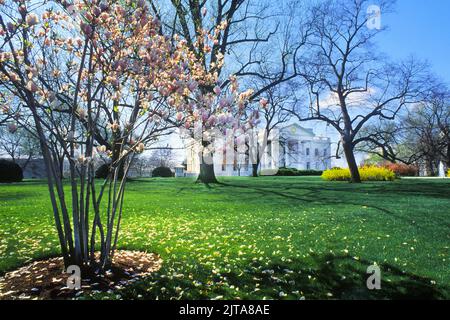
<point>369,173</point>
<point>336,174</point>
<point>374,173</point>
<point>402,170</point>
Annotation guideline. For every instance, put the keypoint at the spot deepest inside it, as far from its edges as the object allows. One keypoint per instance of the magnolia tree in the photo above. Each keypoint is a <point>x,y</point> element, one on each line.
<point>97,78</point>
<point>8,114</point>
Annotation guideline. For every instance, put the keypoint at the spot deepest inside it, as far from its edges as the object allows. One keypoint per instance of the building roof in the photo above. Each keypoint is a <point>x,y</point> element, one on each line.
<point>298,130</point>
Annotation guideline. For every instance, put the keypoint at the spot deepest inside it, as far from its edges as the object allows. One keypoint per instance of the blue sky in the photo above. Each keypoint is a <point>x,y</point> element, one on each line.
<point>420,28</point>
<point>417,27</point>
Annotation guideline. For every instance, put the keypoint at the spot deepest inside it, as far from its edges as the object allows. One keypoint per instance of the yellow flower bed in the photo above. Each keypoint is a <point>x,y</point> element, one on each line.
<point>336,174</point>
<point>371,173</point>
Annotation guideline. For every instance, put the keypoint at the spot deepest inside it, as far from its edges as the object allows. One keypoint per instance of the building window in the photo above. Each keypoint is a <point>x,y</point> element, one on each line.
<point>269,148</point>
<point>324,152</point>
<point>308,166</point>
<point>307,151</point>
<point>316,152</point>
<point>293,146</point>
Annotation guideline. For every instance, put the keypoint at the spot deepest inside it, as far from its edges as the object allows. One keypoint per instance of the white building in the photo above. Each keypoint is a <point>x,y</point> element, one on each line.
<point>301,149</point>
<point>294,146</point>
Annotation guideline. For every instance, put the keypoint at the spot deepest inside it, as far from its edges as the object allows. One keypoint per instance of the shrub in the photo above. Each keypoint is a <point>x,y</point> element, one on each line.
<point>402,170</point>
<point>310,173</point>
<point>374,173</point>
<point>369,173</point>
<point>294,172</point>
<point>287,172</point>
<point>162,172</point>
<point>103,171</point>
<point>448,174</point>
<point>10,172</point>
<point>336,174</point>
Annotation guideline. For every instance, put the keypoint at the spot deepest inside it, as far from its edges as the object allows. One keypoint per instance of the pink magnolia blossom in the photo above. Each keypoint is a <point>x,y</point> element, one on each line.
<point>223,118</point>
<point>22,9</point>
<point>225,102</point>
<point>263,102</point>
<point>101,149</point>
<point>192,86</point>
<point>171,101</point>
<point>217,90</point>
<point>11,27</point>
<point>32,19</point>
<point>140,148</point>
<point>114,126</point>
<point>12,128</point>
<point>212,120</point>
<point>32,86</point>
<point>86,28</point>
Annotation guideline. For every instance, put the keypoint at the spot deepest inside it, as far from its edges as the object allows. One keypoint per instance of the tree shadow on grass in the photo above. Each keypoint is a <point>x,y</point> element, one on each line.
<point>326,277</point>
<point>431,190</point>
<point>343,277</point>
<point>315,195</point>
<point>13,195</point>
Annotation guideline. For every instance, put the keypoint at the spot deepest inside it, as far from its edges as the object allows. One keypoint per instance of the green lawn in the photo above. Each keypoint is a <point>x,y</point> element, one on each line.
<point>261,238</point>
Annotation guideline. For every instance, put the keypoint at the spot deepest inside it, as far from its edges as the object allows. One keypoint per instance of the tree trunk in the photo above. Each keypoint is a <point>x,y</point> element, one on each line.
<point>255,167</point>
<point>351,161</point>
<point>447,162</point>
<point>207,174</point>
<point>430,167</point>
<point>61,168</point>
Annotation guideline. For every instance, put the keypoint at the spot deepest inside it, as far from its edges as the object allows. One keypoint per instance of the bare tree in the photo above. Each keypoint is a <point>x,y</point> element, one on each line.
<point>140,166</point>
<point>349,84</point>
<point>19,144</point>
<point>272,114</point>
<point>162,157</point>
<point>8,110</point>
<point>421,134</point>
<point>253,43</point>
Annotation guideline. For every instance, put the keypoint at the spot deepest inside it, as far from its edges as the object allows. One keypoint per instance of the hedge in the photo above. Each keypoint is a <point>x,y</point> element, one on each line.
<point>294,172</point>
<point>10,172</point>
<point>103,171</point>
<point>162,172</point>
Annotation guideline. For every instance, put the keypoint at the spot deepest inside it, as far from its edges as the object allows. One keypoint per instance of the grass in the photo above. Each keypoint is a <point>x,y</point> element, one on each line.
<point>263,238</point>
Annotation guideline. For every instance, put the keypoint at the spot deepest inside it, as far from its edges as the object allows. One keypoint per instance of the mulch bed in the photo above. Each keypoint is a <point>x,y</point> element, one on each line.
<point>46,279</point>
